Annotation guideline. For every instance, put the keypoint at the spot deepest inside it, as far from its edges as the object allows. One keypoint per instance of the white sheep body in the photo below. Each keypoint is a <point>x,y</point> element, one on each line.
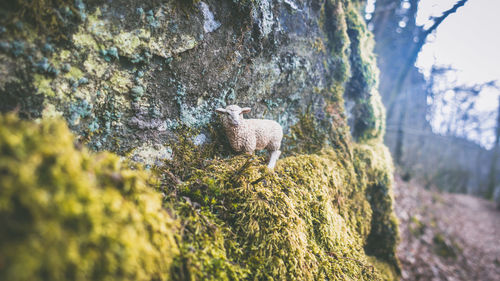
<point>254,134</point>
<point>248,135</point>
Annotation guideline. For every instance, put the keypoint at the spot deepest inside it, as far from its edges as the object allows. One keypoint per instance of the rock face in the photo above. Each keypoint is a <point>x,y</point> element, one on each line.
<point>129,73</point>
<point>142,79</point>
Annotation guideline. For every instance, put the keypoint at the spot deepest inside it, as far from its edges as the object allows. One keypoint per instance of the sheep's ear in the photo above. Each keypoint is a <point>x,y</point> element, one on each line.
<point>220,110</point>
<point>246,109</point>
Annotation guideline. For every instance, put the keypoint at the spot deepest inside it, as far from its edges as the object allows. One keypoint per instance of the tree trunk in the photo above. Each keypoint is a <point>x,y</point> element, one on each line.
<point>398,150</point>
<point>492,177</point>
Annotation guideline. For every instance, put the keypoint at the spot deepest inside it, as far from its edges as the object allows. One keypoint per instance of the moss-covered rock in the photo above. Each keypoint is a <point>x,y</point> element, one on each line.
<point>70,215</point>
<point>145,67</point>
<point>317,216</point>
<point>141,79</point>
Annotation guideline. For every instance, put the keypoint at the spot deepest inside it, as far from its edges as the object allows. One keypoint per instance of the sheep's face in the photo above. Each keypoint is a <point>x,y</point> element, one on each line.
<point>233,114</point>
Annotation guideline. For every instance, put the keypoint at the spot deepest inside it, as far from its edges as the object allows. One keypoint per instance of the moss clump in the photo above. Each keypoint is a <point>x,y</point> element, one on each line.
<point>306,135</point>
<point>363,70</point>
<point>307,220</point>
<point>188,157</point>
<point>368,112</point>
<point>333,23</point>
<point>369,118</point>
<point>207,248</point>
<point>70,215</point>
<point>50,17</point>
<point>374,168</point>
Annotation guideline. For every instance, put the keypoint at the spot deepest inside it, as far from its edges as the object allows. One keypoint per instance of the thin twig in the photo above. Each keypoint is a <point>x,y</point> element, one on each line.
<point>244,167</point>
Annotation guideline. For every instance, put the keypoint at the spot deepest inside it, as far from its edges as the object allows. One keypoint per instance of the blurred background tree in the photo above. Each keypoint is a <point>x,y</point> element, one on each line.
<point>437,130</point>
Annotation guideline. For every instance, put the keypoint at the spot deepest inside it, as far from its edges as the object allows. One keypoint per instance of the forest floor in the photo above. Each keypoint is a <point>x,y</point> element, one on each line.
<point>446,236</point>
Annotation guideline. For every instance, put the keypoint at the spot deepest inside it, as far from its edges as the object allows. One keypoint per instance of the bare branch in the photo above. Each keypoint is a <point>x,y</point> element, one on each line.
<point>440,19</point>
<point>414,54</point>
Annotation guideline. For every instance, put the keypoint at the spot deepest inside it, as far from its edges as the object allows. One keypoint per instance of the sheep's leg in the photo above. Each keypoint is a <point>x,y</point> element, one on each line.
<point>273,158</point>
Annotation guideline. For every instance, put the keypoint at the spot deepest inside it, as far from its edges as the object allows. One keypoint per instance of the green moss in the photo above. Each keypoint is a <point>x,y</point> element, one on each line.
<point>43,85</point>
<point>48,16</point>
<point>307,220</point>
<point>368,112</point>
<point>316,216</point>
<point>374,167</point>
<point>208,248</point>
<point>121,81</point>
<point>75,73</point>
<point>70,215</point>
<point>188,157</point>
<point>131,43</point>
<point>363,68</point>
<point>305,136</point>
<point>386,270</point>
<point>369,118</point>
<point>333,23</point>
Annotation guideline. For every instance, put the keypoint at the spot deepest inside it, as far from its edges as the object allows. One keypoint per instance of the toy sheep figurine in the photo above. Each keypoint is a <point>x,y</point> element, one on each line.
<point>247,135</point>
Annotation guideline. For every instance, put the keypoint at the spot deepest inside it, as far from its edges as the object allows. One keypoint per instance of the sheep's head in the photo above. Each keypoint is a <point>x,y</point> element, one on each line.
<point>233,114</point>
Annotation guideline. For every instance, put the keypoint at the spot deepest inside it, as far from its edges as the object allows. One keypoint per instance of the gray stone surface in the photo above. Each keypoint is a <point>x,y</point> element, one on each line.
<point>131,72</point>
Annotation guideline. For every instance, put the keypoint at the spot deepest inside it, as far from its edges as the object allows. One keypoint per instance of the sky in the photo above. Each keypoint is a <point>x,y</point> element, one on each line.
<point>468,41</point>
